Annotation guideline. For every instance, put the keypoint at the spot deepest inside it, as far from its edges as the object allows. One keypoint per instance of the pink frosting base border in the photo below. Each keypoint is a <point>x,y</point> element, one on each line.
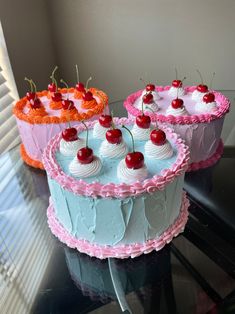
<point>121,251</point>
<point>208,162</point>
<point>223,108</point>
<point>122,190</point>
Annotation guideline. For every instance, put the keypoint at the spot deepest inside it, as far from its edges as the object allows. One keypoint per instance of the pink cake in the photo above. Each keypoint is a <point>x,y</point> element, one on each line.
<point>197,120</point>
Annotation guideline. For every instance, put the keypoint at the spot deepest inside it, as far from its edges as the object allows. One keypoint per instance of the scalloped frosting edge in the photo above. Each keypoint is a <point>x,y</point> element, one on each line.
<point>121,251</point>
<point>223,108</point>
<point>122,190</point>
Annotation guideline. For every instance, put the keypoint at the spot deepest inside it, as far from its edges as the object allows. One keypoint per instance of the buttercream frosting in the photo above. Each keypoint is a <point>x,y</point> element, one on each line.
<point>128,175</point>
<point>85,170</point>
<point>113,150</point>
<point>155,94</point>
<point>71,148</point>
<point>176,91</point>
<point>205,107</point>
<point>176,112</point>
<point>99,131</point>
<point>158,151</point>
<point>140,133</point>
<point>197,96</point>
<point>150,107</point>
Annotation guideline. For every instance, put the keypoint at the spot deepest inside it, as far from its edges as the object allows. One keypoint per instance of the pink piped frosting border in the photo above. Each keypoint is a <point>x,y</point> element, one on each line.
<point>208,162</point>
<point>122,190</point>
<point>223,108</point>
<point>121,251</point>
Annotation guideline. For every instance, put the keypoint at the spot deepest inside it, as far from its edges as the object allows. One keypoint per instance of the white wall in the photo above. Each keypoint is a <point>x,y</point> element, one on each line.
<point>118,41</point>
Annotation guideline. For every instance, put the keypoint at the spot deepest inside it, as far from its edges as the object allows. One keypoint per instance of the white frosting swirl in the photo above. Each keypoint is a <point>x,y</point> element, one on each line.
<point>71,148</point>
<point>205,107</point>
<point>146,107</point>
<point>85,170</point>
<point>176,91</point>
<point>158,151</point>
<point>140,134</point>
<point>99,131</point>
<point>197,96</point>
<point>128,175</point>
<point>113,150</point>
<point>176,112</point>
<point>154,93</point>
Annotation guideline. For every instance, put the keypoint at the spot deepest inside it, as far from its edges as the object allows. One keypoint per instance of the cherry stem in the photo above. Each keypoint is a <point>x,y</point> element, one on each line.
<point>112,123</point>
<point>67,86</point>
<point>147,107</point>
<point>30,82</point>
<point>142,108</point>
<point>77,73</point>
<point>213,75</point>
<point>87,82</point>
<point>86,132</point>
<point>53,77</point>
<point>184,78</point>
<point>132,138</point>
<point>176,74</point>
<point>200,76</point>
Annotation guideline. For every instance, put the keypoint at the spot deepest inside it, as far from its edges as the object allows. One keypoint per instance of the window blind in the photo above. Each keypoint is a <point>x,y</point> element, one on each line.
<point>9,136</point>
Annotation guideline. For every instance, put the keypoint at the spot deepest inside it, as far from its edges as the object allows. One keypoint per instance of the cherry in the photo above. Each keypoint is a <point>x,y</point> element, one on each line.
<point>148,98</point>
<point>150,87</point>
<point>143,121</point>
<point>30,95</point>
<point>114,136</point>
<point>202,88</point>
<point>55,96</point>
<point>35,103</point>
<point>177,103</point>
<point>88,96</point>
<point>105,120</point>
<point>134,160</point>
<point>158,137</point>
<point>80,87</point>
<point>177,83</point>
<point>67,104</point>
<point>70,134</point>
<point>52,87</point>
<point>210,97</point>
<point>85,155</point>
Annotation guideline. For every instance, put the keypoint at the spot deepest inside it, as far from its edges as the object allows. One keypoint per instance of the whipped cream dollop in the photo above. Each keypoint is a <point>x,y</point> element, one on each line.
<point>140,133</point>
<point>128,175</point>
<point>197,96</point>
<point>71,148</point>
<point>158,151</point>
<point>176,91</point>
<point>99,131</point>
<point>85,170</point>
<point>155,94</point>
<point>113,150</point>
<point>176,112</point>
<point>204,107</point>
<point>150,107</point>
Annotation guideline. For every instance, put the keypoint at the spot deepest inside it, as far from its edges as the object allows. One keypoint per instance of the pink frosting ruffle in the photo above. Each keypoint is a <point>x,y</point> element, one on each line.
<point>150,185</point>
<point>222,109</point>
<point>121,251</point>
<point>208,162</point>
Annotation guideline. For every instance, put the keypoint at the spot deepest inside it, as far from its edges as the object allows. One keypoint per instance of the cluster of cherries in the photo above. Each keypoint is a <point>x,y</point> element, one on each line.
<point>34,101</point>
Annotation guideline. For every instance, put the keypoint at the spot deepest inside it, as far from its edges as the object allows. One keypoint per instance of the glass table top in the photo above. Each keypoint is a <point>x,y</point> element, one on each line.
<point>38,274</point>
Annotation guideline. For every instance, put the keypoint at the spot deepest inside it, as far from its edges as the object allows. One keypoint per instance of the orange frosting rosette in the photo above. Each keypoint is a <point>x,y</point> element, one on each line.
<point>70,113</point>
<point>89,104</point>
<point>56,105</point>
<point>77,94</point>
<point>37,112</point>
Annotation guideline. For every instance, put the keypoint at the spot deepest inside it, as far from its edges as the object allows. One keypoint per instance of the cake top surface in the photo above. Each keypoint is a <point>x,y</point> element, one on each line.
<point>106,183</point>
<point>133,103</point>
<point>54,114</point>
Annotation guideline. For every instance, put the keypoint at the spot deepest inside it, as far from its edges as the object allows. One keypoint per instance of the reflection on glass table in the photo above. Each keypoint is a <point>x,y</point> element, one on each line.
<point>38,274</point>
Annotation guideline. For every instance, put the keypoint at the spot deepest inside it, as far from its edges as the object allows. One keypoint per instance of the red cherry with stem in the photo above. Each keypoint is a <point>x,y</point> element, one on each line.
<point>79,86</point>
<point>32,94</point>
<point>177,83</point>
<point>67,104</point>
<point>35,103</point>
<point>105,120</point>
<point>143,121</point>
<point>210,97</point>
<point>134,160</point>
<point>56,96</point>
<point>114,136</point>
<point>85,155</point>
<point>158,137</point>
<point>202,88</point>
<point>70,134</point>
<point>177,103</point>
<point>52,87</point>
<point>148,98</point>
<point>88,96</point>
<point>150,87</point>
